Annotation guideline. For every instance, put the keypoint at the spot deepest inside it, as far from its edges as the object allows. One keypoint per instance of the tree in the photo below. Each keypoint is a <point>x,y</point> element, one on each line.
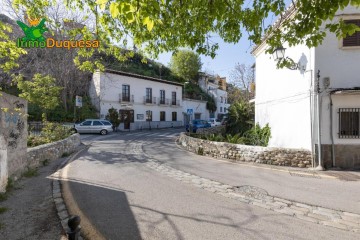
<point>113,117</point>
<point>41,91</point>
<point>167,25</point>
<point>186,64</point>
<point>240,118</point>
<point>243,77</point>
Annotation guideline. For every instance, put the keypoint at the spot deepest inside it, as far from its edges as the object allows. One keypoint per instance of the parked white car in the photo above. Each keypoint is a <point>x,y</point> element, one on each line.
<point>214,122</point>
<point>94,126</point>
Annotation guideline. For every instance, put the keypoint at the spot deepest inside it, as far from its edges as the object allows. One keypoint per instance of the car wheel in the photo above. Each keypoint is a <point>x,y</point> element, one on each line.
<point>103,132</point>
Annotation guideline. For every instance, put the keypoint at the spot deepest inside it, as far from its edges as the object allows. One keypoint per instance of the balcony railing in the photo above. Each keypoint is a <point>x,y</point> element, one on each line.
<point>164,101</point>
<point>126,98</point>
<point>148,100</point>
<point>175,103</point>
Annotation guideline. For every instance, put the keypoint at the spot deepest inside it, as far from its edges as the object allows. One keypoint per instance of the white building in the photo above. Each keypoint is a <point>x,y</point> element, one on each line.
<point>287,99</point>
<point>194,109</point>
<point>143,102</point>
<point>215,86</point>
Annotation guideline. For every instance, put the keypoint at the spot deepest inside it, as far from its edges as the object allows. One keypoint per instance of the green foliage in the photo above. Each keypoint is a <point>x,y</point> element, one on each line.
<point>9,52</point>
<point>113,117</point>
<point>41,91</point>
<point>51,132</point>
<point>237,139</point>
<point>3,197</point>
<point>30,172</point>
<point>240,118</point>
<point>10,184</point>
<point>3,209</point>
<point>258,136</point>
<point>214,137</point>
<point>186,64</point>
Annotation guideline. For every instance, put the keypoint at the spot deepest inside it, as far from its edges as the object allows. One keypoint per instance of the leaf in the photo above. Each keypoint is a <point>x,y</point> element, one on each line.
<point>146,20</point>
<point>101,3</point>
<point>114,9</point>
<point>130,17</point>
<point>150,25</point>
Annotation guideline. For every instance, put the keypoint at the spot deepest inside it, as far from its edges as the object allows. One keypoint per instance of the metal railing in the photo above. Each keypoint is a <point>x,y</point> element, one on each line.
<point>126,98</point>
<point>148,100</point>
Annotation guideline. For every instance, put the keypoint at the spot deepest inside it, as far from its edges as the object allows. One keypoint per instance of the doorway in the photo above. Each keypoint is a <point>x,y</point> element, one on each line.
<point>126,117</point>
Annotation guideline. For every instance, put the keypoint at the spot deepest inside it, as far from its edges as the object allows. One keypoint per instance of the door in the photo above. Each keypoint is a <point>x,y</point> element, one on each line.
<point>97,126</point>
<point>126,117</point>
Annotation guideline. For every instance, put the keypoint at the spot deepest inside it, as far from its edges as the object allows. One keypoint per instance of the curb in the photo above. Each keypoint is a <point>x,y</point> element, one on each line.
<point>61,208</point>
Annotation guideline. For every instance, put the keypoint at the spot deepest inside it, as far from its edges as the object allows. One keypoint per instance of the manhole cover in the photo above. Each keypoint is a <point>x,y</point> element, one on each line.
<point>251,191</point>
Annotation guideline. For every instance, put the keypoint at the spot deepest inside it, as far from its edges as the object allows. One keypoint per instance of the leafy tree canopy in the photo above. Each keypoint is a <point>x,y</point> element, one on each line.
<point>186,64</point>
<point>166,25</point>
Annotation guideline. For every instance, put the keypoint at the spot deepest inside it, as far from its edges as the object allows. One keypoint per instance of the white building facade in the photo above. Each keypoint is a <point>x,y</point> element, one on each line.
<point>194,109</point>
<point>216,87</point>
<point>287,99</point>
<point>142,102</point>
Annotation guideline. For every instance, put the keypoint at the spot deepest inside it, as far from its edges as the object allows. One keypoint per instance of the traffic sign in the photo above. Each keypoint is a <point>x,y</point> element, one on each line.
<point>189,111</point>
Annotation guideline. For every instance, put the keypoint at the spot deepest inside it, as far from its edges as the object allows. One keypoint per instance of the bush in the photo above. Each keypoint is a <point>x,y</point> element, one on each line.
<point>240,118</point>
<point>51,132</point>
<point>258,136</point>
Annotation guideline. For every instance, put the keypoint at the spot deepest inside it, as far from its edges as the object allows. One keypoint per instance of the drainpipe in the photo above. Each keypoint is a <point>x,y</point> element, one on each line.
<point>311,95</point>
<point>331,131</point>
<point>319,167</point>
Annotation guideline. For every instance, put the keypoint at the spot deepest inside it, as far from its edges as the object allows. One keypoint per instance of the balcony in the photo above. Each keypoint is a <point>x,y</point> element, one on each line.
<point>148,100</point>
<point>165,102</point>
<point>126,98</point>
<point>175,103</point>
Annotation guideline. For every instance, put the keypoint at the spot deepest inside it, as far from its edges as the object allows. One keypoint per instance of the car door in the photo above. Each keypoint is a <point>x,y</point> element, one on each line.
<point>97,126</point>
<point>84,127</point>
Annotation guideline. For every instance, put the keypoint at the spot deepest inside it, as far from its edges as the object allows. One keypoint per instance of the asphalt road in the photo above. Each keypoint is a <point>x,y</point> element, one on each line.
<point>119,197</point>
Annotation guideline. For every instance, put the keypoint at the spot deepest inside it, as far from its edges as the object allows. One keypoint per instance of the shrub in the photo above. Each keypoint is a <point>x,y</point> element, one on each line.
<point>237,139</point>
<point>258,136</point>
<point>51,132</point>
<point>200,151</point>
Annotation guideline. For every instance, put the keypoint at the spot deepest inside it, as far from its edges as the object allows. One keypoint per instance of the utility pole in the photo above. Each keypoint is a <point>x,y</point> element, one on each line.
<point>319,167</point>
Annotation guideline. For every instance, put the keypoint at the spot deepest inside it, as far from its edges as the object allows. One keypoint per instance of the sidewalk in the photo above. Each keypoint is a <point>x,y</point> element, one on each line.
<point>29,209</point>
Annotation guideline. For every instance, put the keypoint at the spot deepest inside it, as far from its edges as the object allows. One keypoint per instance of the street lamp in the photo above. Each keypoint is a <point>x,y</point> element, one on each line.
<point>279,54</point>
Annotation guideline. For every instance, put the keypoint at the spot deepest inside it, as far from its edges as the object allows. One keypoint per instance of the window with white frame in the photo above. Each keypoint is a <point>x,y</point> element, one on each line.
<point>349,122</point>
<point>354,39</point>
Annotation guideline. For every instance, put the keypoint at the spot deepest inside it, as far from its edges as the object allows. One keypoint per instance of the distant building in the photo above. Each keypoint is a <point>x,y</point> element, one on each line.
<point>215,86</point>
<point>143,102</point>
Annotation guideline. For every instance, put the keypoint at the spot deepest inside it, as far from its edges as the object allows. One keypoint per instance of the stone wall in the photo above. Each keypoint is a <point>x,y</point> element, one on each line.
<point>13,136</point>
<point>51,151</point>
<point>212,130</point>
<point>236,152</point>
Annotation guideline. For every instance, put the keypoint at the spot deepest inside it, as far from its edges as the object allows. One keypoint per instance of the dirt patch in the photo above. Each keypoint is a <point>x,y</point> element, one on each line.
<point>31,212</point>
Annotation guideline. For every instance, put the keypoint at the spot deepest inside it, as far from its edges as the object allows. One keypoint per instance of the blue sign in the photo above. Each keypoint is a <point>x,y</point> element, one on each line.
<point>189,111</point>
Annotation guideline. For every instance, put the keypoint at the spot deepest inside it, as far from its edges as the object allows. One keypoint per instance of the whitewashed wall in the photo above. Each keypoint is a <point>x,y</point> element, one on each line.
<point>283,98</point>
<point>197,106</point>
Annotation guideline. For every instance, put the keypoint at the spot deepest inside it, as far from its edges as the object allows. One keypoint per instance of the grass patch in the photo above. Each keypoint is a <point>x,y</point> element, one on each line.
<point>65,154</point>
<point>45,162</point>
<point>31,172</point>
<point>10,185</point>
<point>3,209</point>
<point>200,151</point>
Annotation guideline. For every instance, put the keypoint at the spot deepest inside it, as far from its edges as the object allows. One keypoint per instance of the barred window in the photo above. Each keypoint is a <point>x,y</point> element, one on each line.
<point>353,40</point>
<point>174,116</point>
<point>349,122</point>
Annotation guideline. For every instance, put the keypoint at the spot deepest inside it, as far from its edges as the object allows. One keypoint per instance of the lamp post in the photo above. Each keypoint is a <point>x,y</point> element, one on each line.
<point>279,54</point>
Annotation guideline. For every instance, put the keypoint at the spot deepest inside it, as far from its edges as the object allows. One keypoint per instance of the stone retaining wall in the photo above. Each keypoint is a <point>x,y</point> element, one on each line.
<point>236,152</point>
<point>51,151</point>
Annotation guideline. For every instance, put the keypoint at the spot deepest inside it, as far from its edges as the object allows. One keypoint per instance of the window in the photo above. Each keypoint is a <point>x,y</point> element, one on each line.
<point>126,93</point>
<point>221,99</point>
<point>173,98</point>
<point>353,40</point>
<point>149,116</point>
<point>349,121</point>
<point>197,115</point>
<point>220,109</point>
<point>106,123</point>
<point>97,123</point>
<point>225,109</point>
<point>148,95</point>
<point>162,116</point>
<point>174,116</point>
<point>162,96</point>
<point>86,123</point>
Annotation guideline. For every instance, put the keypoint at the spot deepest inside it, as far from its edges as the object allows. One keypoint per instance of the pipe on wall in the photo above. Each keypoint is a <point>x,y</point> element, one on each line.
<point>331,131</point>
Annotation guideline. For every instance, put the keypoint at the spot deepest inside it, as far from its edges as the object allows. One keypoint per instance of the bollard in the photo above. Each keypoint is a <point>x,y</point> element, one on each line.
<point>74,225</point>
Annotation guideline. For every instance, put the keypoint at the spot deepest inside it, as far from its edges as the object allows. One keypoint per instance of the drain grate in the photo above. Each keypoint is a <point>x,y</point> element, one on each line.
<point>304,174</point>
<point>251,191</point>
